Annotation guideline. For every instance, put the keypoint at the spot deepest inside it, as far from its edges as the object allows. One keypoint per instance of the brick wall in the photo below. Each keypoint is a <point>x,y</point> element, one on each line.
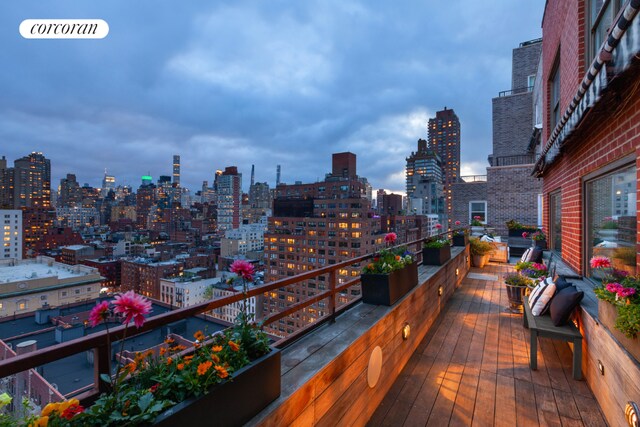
<point>462,194</point>
<point>512,193</point>
<point>512,119</point>
<point>563,33</point>
<point>525,63</point>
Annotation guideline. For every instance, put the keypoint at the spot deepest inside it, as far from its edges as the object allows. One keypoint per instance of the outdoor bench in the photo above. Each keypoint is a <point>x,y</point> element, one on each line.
<point>542,326</point>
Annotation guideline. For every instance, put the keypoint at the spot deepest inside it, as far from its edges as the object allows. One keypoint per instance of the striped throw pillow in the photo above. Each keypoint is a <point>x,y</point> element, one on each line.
<point>540,297</point>
<point>525,255</point>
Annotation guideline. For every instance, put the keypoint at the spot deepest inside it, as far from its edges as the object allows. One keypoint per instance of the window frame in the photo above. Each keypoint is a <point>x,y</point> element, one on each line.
<point>618,165</point>
<point>486,213</point>
<point>557,193</point>
<point>592,24</point>
<point>555,93</point>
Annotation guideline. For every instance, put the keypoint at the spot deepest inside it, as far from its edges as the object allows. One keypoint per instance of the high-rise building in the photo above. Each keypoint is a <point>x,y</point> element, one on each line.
<point>6,185</point>
<point>424,181</point>
<point>229,194</point>
<point>36,223</point>
<point>315,225</point>
<point>145,198</point>
<point>108,184</point>
<point>391,204</point>
<point>176,170</point>
<point>11,233</point>
<point>444,139</point>
<point>32,181</point>
<point>69,193</point>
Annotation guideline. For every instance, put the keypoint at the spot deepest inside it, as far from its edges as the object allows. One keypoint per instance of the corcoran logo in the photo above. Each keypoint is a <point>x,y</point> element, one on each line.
<point>64,29</point>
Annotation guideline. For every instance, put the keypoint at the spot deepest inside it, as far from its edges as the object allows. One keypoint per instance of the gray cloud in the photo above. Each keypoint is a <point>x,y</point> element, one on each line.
<point>249,82</point>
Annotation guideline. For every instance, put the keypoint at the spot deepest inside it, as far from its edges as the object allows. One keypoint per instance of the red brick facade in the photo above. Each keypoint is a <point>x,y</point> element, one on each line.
<point>609,132</point>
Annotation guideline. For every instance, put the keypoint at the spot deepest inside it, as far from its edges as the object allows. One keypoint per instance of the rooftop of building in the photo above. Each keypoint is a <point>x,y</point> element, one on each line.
<point>30,269</point>
<point>75,372</point>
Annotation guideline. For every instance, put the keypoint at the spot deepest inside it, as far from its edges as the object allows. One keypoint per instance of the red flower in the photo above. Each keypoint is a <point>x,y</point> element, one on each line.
<point>154,387</point>
<point>438,226</point>
<point>133,306</point>
<point>457,223</point>
<point>71,411</point>
<point>99,313</point>
<point>600,262</point>
<point>243,269</point>
<point>390,238</point>
<point>525,235</point>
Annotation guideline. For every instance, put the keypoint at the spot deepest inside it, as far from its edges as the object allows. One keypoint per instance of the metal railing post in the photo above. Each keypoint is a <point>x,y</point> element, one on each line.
<point>101,365</point>
<point>332,298</point>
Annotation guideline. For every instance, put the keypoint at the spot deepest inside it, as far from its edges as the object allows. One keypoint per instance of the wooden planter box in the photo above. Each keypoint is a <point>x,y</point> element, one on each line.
<point>234,402</point>
<point>433,256</point>
<point>517,232</point>
<point>607,314</point>
<point>386,289</point>
<point>460,240</point>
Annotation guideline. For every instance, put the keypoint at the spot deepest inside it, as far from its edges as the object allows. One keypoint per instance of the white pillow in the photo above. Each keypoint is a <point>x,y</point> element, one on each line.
<point>540,297</point>
<point>487,238</point>
<point>525,255</point>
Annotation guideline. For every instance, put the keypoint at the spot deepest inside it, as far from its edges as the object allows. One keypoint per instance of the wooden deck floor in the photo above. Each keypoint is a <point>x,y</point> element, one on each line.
<point>472,369</point>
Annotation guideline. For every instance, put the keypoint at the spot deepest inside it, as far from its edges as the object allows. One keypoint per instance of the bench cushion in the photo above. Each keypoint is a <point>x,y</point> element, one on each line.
<point>541,296</point>
<point>563,304</point>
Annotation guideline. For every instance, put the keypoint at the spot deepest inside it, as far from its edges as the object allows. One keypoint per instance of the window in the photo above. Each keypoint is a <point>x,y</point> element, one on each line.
<point>478,208</point>
<point>554,94</point>
<point>599,20</point>
<point>531,80</point>
<point>611,230</point>
<point>555,222</point>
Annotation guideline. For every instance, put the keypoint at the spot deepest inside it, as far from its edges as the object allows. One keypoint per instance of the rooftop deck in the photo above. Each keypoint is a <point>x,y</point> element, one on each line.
<point>472,368</point>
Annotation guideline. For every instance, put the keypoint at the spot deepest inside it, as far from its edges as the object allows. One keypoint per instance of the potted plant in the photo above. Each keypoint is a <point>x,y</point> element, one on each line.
<point>619,305</point>
<point>460,236</point>
<point>477,227</point>
<point>517,285</point>
<point>532,270</point>
<point>174,384</point>
<point>608,229</point>
<point>480,252</point>
<point>436,251</point>
<point>516,228</point>
<point>391,274</point>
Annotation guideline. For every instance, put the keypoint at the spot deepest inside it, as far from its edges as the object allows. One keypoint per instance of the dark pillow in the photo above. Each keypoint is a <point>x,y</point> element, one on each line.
<point>535,255</point>
<point>562,283</point>
<point>563,303</point>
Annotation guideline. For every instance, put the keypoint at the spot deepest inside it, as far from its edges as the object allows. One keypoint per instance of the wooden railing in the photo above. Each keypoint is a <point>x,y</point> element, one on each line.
<point>100,342</point>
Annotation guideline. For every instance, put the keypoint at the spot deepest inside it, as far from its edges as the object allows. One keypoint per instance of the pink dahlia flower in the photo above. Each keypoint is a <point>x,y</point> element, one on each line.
<point>626,292</point>
<point>99,313</point>
<point>457,223</point>
<point>600,262</point>
<point>438,226</point>
<point>390,238</point>
<point>525,235</point>
<point>613,287</point>
<point>243,269</point>
<point>132,306</point>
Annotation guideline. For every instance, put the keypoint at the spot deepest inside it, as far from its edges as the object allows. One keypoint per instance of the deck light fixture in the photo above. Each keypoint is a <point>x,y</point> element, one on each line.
<point>406,331</point>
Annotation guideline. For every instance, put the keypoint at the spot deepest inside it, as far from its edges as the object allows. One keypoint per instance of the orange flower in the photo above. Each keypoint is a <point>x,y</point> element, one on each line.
<point>222,372</point>
<point>234,346</point>
<point>397,257</point>
<point>188,358</point>
<point>370,266</point>
<point>169,361</point>
<point>204,367</point>
<point>163,351</point>
<point>178,348</point>
<point>169,340</point>
<point>51,407</point>
<point>216,348</point>
<point>215,358</point>
<point>199,336</point>
<point>42,421</point>
<point>131,367</point>
<point>180,366</point>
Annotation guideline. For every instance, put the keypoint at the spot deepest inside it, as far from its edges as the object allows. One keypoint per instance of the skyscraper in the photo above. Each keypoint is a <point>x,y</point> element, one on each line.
<point>32,181</point>
<point>176,170</point>
<point>6,185</point>
<point>69,193</point>
<point>145,198</point>
<point>108,184</point>
<point>229,194</point>
<point>444,139</point>
<point>424,181</point>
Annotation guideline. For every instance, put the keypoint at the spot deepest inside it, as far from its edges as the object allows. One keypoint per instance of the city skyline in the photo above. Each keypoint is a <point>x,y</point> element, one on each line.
<point>249,83</point>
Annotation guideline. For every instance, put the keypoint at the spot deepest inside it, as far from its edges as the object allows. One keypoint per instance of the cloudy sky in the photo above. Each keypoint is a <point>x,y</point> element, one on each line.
<point>254,82</point>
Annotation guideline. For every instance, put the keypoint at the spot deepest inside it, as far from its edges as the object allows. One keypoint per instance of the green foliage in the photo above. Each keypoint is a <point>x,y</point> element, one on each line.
<point>388,260</point>
<point>478,247</point>
<point>436,243</point>
<point>512,224</point>
<point>609,225</point>
<point>515,279</point>
<point>628,321</point>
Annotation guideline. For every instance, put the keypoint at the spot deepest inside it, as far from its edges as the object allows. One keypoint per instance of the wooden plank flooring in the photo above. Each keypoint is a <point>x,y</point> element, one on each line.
<point>472,369</point>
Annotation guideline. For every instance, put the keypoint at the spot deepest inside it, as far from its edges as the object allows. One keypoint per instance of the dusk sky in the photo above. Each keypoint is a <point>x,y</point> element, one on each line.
<point>254,82</point>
